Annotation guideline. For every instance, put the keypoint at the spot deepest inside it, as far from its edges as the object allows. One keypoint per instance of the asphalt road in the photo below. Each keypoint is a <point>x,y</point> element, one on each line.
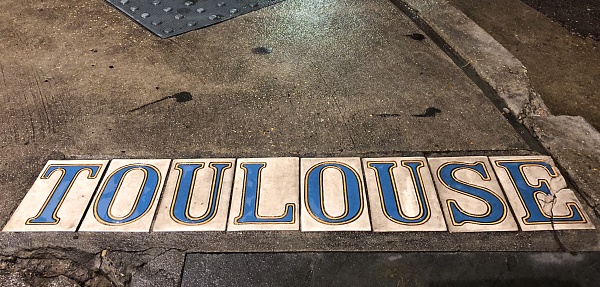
<point>564,68</point>
<point>392,269</point>
<point>579,16</point>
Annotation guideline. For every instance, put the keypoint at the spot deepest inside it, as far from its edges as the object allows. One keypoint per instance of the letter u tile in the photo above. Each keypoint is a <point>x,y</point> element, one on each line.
<point>471,198</point>
<point>265,195</point>
<point>59,196</point>
<point>196,196</point>
<point>539,194</point>
<point>402,195</point>
<point>333,195</point>
<point>128,196</point>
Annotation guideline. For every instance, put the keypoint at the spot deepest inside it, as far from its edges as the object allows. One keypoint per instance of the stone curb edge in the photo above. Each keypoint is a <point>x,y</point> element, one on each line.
<point>570,140</point>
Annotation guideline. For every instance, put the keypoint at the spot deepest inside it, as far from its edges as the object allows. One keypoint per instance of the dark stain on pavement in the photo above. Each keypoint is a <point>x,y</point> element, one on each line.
<point>416,36</point>
<point>429,113</point>
<point>262,50</point>
<point>180,97</point>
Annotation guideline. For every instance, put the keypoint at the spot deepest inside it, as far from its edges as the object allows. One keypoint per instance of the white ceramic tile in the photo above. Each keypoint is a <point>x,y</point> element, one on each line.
<point>468,186</point>
<point>59,196</point>
<point>265,195</point>
<point>196,196</point>
<point>405,184</point>
<point>128,196</point>
<point>531,183</point>
<point>333,195</point>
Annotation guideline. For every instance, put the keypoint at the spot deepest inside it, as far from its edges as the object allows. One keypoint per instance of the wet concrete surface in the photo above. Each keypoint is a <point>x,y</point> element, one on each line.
<point>75,86</point>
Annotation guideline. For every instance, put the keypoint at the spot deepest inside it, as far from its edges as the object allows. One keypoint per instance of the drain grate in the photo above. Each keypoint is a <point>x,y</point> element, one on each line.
<point>167,18</point>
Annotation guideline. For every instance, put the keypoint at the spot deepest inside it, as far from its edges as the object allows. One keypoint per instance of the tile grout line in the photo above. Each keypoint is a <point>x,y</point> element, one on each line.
<point>503,190</point>
<point>300,193</point>
<point>365,193</point>
<point>437,192</point>
<point>161,198</point>
<point>94,194</point>
<point>227,216</point>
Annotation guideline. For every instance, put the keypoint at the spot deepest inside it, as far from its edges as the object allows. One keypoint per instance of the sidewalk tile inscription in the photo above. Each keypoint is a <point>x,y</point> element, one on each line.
<point>539,194</point>
<point>128,196</point>
<point>196,196</point>
<point>471,197</point>
<point>59,196</point>
<point>402,196</point>
<point>333,195</point>
<point>458,194</point>
<point>265,195</point>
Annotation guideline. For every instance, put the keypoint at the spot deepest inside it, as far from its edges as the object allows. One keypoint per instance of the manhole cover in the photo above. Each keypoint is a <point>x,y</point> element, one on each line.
<point>167,18</point>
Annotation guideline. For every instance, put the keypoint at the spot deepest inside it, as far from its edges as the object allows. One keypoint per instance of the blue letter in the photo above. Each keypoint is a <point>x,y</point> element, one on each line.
<point>69,173</point>
<point>145,196</point>
<point>352,193</point>
<point>496,211</point>
<point>528,193</point>
<point>180,208</point>
<point>251,196</point>
<point>388,192</point>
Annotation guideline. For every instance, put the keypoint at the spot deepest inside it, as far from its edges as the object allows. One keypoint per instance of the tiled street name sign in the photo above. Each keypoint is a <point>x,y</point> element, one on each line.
<point>457,194</point>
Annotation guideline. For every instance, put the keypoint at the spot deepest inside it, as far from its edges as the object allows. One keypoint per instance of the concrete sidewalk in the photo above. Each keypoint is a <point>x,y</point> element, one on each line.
<point>301,78</point>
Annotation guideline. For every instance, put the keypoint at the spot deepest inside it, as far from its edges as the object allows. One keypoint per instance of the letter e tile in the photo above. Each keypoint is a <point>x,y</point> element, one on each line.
<point>196,196</point>
<point>402,195</point>
<point>265,195</point>
<point>59,196</point>
<point>128,196</point>
<point>539,194</point>
<point>333,195</point>
<point>471,197</point>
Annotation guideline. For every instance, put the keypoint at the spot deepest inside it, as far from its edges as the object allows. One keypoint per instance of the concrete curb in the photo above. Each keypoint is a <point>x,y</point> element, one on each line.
<point>571,141</point>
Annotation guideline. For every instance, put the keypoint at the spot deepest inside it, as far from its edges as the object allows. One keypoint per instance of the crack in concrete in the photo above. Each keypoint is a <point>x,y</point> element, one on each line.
<point>561,245</point>
<point>102,268</point>
<point>39,265</point>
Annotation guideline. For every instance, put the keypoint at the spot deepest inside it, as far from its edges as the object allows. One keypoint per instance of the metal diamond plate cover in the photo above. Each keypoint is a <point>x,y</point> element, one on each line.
<point>167,18</point>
